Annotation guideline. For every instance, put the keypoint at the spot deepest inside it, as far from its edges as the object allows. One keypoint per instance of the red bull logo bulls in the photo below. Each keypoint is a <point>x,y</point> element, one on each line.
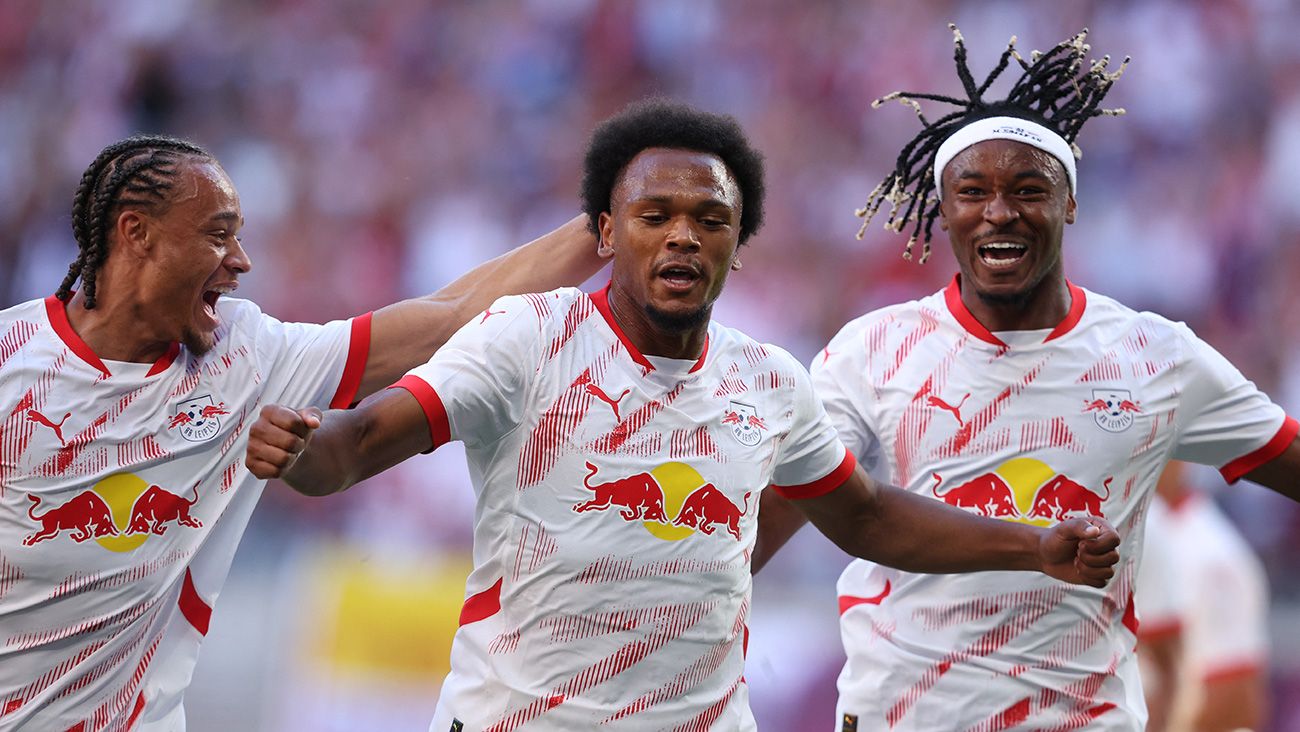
<point>672,488</point>
<point>1024,490</point>
<point>120,512</point>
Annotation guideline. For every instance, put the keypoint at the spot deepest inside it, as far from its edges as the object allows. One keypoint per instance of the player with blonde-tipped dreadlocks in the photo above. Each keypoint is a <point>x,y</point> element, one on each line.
<point>1015,394</point>
<point>1057,89</point>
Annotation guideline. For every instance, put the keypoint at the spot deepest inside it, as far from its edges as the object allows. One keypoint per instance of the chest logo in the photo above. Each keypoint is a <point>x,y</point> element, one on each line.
<point>197,419</point>
<point>600,394</point>
<point>119,512</point>
<point>744,422</point>
<point>1112,409</point>
<point>955,411</point>
<point>675,489</point>
<point>57,427</point>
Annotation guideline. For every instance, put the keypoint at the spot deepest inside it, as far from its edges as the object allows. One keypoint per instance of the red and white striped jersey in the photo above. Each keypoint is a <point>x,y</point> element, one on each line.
<point>617,509</point>
<point>1034,427</point>
<point>123,494</point>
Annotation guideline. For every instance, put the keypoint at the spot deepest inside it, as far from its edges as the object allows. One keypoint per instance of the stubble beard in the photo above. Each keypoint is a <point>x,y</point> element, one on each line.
<point>196,342</point>
<point>678,322</point>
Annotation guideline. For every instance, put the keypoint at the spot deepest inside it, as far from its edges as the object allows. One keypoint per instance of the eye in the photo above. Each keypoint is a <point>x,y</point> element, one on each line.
<point>714,222</point>
<point>653,217</point>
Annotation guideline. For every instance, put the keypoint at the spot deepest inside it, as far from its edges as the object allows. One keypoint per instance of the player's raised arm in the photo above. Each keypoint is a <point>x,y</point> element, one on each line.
<point>405,334</point>
<point>890,526</point>
<point>1282,473</point>
<point>318,454</point>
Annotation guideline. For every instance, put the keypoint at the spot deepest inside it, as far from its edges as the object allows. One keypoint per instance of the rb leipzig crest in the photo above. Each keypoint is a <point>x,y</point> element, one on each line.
<point>1113,409</point>
<point>744,422</point>
<point>197,419</point>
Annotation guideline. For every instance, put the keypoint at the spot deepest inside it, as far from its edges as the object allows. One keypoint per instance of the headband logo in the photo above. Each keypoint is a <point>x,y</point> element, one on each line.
<point>1018,132</point>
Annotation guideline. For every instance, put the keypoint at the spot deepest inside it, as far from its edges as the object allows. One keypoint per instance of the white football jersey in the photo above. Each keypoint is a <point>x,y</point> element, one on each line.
<point>617,497</point>
<point>1034,427</point>
<point>123,494</point>
<point>1209,585</point>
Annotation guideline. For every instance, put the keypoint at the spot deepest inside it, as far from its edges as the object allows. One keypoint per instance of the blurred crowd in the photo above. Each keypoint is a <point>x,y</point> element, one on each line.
<point>381,149</point>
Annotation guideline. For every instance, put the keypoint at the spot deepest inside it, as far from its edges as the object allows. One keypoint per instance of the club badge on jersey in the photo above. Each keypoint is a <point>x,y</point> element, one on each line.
<point>197,419</point>
<point>745,424</point>
<point>1113,409</point>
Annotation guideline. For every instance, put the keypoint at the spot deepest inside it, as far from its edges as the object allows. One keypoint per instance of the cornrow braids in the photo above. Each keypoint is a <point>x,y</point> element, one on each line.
<point>139,171</point>
<point>1058,89</point>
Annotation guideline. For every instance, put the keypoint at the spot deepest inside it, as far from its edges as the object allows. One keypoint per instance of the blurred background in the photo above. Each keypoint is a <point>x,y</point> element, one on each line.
<point>381,149</point>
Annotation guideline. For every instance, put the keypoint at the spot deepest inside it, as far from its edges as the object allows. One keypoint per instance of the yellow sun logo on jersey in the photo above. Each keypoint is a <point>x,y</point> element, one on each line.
<point>119,512</point>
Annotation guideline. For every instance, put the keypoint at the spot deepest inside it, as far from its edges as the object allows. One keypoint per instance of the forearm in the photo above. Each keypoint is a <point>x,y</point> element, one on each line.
<point>328,465</point>
<point>407,333</point>
<point>918,534</point>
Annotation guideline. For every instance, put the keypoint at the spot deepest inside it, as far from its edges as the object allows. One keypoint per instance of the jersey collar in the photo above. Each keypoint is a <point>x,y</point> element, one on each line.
<point>56,311</point>
<point>601,301</point>
<point>952,296</point>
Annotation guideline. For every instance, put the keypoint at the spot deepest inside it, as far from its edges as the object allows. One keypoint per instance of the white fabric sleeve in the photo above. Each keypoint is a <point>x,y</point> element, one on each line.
<point>306,364</point>
<point>811,460</point>
<point>482,375</point>
<point>1222,416</point>
<point>839,377</point>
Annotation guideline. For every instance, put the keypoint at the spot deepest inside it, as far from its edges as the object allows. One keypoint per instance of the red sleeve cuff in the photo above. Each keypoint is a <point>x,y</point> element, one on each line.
<point>823,485</point>
<point>1235,470</point>
<point>434,412</point>
<point>355,367</point>
<point>1153,630</point>
<point>1223,672</point>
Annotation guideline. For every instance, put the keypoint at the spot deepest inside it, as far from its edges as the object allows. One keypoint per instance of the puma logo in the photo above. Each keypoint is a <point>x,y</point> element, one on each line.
<point>489,313</point>
<point>599,393</point>
<point>35,416</point>
<point>935,401</point>
<point>850,601</point>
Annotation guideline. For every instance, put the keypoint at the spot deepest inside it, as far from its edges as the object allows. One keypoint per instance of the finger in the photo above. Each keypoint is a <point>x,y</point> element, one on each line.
<point>278,458</point>
<point>1108,559</point>
<point>311,416</point>
<point>261,468</point>
<point>286,419</point>
<point>275,438</point>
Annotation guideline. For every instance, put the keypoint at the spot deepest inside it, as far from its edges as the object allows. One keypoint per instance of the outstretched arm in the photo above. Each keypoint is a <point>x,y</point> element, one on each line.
<point>318,454</point>
<point>405,334</point>
<point>918,534</point>
<point>1282,473</point>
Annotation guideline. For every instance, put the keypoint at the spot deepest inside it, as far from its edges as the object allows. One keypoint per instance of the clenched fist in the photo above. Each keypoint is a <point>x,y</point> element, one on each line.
<point>278,437</point>
<point>1081,551</point>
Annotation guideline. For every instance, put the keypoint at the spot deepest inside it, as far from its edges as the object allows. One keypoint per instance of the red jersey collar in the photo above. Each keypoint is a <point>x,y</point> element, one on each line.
<point>952,296</point>
<point>56,311</point>
<point>601,301</point>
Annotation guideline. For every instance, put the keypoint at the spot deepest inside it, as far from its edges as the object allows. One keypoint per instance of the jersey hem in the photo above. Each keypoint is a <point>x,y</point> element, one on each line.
<point>823,485</point>
<point>1286,434</point>
<point>355,366</point>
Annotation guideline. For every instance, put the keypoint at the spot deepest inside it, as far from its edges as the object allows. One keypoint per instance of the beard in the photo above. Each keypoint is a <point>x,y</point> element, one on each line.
<point>1017,300</point>
<point>196,342</point>
<point>678,322</point>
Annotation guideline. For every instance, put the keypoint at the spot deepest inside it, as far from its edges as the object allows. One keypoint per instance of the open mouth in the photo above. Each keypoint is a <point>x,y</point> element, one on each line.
<point>679,277</point>
<point>1000,254</point>
<point>211,296</point>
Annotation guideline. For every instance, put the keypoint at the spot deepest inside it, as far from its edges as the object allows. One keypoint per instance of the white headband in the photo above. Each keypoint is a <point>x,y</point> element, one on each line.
<point>1004,128</point>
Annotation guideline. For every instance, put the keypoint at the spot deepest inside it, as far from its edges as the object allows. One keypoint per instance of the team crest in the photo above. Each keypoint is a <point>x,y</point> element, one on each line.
<point>1113,409</point>
<point>744,422</point>
<point>198,419</point>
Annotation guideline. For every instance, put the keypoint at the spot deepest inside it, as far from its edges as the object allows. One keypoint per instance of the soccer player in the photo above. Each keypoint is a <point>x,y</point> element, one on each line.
<point>618,444</point>
<point>1202,596</point>
<point>1015,394</point>
<point>126,405</point>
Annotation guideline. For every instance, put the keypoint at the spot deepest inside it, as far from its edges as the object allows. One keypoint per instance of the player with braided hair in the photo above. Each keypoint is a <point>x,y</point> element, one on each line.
<point>1015,394</point>
<point>123,490</point>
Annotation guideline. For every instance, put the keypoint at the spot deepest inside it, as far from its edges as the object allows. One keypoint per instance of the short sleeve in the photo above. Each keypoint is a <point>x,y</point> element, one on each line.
<point>475,387</point>
<point>1223,419</point>
<point>838,378</point>
<point>306,364</point>
<point>811,460</point>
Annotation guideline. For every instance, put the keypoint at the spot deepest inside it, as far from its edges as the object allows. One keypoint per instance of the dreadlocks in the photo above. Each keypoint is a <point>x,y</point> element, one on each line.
<point>136,172</point>
<point>1056,89</point>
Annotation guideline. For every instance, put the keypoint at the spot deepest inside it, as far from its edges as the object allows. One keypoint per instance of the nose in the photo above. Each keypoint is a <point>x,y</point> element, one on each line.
<point>999,212</point>
<point>237,259</point>
<point>682,235</point>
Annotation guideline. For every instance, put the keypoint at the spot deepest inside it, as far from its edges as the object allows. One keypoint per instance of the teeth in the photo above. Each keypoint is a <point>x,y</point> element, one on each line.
<point>1002,245</point>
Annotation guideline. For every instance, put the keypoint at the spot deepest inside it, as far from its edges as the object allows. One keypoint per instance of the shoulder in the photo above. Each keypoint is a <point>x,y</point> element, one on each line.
<point>546,306</point>
<point>1142,328</point>
<point>736,346</point>
<point>31,311</point>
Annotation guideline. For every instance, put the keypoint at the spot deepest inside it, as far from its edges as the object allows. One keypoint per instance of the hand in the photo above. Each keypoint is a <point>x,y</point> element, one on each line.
<point>278,437</point>
<point>1081,551</point>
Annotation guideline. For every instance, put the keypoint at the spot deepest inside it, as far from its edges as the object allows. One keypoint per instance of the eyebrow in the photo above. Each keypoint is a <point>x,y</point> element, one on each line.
<point>226,216</point>
<point>668,199</point>
<point>976,175</point>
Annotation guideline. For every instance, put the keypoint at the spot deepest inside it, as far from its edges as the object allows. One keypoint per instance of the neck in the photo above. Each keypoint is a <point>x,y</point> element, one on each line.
<point>652,338</point>
<point>117,329</point>
<point>1044,306</point>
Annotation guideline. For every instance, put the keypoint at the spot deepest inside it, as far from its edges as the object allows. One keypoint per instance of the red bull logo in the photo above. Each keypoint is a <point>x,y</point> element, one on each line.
<point>1113,409</point>
<point>673,488</point>
<point>197,419</point>
<point>119,512</point>
<point>1024,490</point>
